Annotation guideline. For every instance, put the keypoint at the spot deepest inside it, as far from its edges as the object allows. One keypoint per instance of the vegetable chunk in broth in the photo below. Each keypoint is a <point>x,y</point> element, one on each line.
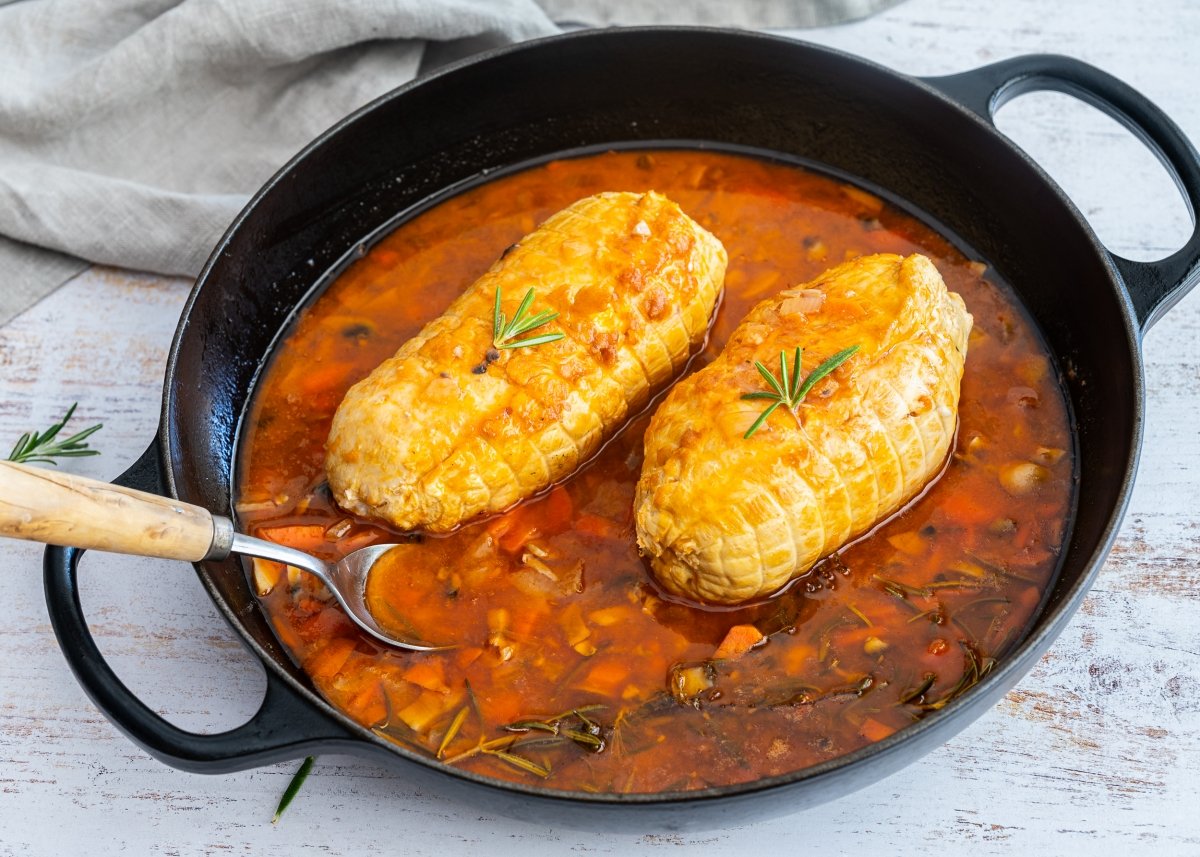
<point>572,668</point>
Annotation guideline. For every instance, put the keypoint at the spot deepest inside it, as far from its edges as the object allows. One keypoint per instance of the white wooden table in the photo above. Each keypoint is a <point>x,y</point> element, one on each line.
<point>1096,751</point>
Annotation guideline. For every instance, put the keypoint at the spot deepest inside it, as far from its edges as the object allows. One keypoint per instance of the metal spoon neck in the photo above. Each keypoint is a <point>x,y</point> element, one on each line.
<point>250,546</point>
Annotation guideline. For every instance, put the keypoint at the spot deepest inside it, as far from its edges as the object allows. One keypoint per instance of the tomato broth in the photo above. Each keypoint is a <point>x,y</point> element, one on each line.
<point>572,668</point>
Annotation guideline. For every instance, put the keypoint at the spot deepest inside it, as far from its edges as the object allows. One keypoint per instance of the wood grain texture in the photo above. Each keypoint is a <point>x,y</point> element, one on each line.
<point>42,505</point>
<point>1096,751</point>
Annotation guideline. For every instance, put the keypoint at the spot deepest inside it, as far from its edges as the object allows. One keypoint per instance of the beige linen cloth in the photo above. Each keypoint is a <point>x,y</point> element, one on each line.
<point>133,131</point>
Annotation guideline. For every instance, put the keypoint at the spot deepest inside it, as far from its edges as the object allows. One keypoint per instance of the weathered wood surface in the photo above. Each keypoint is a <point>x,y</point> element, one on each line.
<point>1096,751</point>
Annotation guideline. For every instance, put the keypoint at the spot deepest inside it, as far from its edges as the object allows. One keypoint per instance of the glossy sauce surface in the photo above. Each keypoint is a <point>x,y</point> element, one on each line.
<point>573,669</point>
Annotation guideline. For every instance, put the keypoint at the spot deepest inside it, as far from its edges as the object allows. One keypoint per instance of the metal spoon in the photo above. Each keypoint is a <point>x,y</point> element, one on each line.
<point>61,509</point>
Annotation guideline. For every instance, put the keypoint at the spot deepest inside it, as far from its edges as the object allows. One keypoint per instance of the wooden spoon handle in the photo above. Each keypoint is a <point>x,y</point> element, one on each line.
<point>61,509</point>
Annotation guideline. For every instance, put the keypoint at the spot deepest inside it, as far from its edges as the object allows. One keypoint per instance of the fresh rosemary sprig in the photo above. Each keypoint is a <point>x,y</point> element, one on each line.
<point>503,330</point>
<point>588,733</point>
<point>787,389</point>
<point>293,787</point>
<point>519,762</point>
<point>34,447</point>
<point>452,730</point>
<point>571,726</point>
<point>976,668</point>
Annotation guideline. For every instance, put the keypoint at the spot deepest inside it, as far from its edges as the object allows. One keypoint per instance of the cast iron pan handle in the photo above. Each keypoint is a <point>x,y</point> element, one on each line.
<point>285,727</point>
<point>1154,287</point>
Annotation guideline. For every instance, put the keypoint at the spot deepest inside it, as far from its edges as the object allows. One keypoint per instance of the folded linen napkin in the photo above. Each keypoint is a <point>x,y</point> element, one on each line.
<point>133,131</point>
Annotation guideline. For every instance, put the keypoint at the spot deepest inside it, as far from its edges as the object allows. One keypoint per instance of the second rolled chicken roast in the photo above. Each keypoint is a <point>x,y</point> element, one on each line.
<point>725,517</point>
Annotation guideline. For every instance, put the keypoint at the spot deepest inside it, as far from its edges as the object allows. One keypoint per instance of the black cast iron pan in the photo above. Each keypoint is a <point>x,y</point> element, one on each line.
<point>928,143</point>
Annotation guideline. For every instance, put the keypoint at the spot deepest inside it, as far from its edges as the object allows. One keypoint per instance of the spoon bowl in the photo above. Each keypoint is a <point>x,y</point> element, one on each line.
<point>346,579</point>
<point>73,511</point>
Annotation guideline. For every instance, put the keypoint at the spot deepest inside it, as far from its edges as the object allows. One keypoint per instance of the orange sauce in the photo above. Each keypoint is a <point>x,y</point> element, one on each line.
<point>613,687</point>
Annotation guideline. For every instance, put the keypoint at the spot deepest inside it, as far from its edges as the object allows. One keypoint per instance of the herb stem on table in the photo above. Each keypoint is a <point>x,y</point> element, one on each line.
<point>788,390</point>
<point>44,447</point>
<point>293,787</point>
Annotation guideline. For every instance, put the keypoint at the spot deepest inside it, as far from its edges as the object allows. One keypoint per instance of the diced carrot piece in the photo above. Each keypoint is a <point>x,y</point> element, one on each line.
<point>557,509</point>
<point>398,695</point>
<point>374,713</point>
<point>286,633</point>
<point>330,622</point>
<point>611,615</point>
<point>606,677</point>
<point>320,379</point>
<point>910,543</point>
<point>572,622</point>
<point>967,509</point>
<point>502,524</point>
<point>427,708</point>
<point>515,527</point>
<point>427,674</point>
<point>798,658</point>
<point>525,529</point>
<point>295,535</point>
<point>594,525</point>
<point>500,707</point>
<point>467,656</point>
<point>527,618</point>
<point>327,662</point>
<point>368,706</point>
<point>498,619</point>
<point>873,730</point>
<point>359,540</point>
<point>738,640</point>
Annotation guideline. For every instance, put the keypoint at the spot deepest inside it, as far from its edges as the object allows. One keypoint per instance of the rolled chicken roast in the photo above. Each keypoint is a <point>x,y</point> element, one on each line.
<point>726,518</point>
<point>459,422</point>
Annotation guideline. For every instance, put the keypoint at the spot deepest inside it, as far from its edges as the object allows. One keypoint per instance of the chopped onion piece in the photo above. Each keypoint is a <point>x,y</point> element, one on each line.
<point>266,575</point>
<point>1049,455</point>
<point>1022,477</point>
<point>1026,397</point>
<point>537,565</point>
<point>687,681</point>
<point>497,619</point>
<point>868,202</point>
<point>254,506</point>
<point>537,550</point>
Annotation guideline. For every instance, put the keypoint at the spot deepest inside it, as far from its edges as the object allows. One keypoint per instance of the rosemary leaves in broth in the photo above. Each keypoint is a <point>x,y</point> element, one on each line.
<point>575,671</point>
